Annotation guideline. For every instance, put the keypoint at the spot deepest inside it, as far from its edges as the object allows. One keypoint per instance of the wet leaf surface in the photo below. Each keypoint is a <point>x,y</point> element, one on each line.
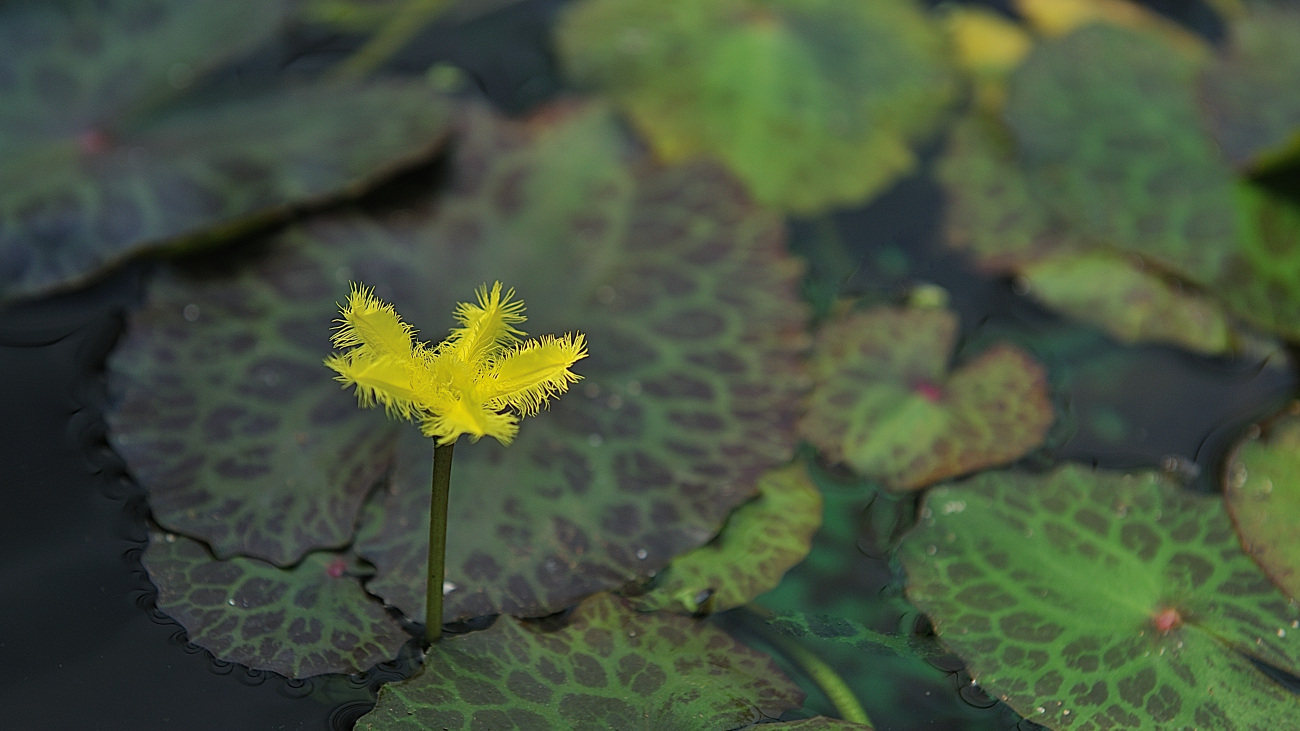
<point>1249,93</point>
<point>309,620</point>
<point>813,103</point>
<point>610,667</point>
<point>103,156</point>
<point>760,542</point>
<point>681,286</point>
<point>1262,487</point>
<point>886,404</point>
<point>1099,600</point>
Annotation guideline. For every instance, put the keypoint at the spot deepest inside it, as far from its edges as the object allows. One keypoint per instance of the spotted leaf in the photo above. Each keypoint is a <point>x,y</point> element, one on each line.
<point>610,667</point>
<point>886,405</point>
<point>1131,304</point>
<point>1099,600</point>
<point>1249,91</point>
<point>1262,486</point>
<point>1108,131</point>
<point>693,323</point>
<point>102,156</point>
<point>760,542</point>
<point>314,618</point>
<point>813,103</point>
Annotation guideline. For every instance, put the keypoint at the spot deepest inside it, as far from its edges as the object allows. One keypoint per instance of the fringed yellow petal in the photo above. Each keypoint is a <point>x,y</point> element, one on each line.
<point>462,416</point>
<point>488,327</point>
<point>528,376</point>
<point>378,379</point>
<point>373,325</point>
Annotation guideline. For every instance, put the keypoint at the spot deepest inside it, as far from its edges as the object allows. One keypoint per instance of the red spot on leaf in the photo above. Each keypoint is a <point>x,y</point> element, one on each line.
<point>928,391</point>
<point>336,568</point>
<point>1167,619</point>
<point>94,141</point>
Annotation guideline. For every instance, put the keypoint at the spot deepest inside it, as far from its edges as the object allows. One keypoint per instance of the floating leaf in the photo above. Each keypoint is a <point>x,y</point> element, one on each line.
<point>1262,282</point>
<point>885,404</point>
<point>1098,600</point>
<point>1249,93</point>
<point>309,620</point>
<point>99,160</point>
<point>1109,134</point>
<point>992,211</point>
<point>1133,305</point>
<point>760,542</point>
<point>694,327</point>
<point>1262,486</point>
<point>610,667</point>
<point>813,103</point>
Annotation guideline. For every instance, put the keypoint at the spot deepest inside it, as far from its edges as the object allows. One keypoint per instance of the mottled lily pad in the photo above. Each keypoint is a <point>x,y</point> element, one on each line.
<point>1108,131</point>
<point>1261,283</point>
<point>760,542</point>
<point>610,667</point>
<point>1099,600</point>
<point>1249,92</point>
<point>694,327</point>
<point>1133,305</point>
<point>813,103</point>
<point>1262,486</point>
<point>886,405</point>
<point>312,619</point>
<point>100,156</point>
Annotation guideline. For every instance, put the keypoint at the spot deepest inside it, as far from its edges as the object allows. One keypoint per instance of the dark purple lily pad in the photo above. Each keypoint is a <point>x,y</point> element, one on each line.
<point>1249,92</point>
<point>101,156</point>
<point>312,619</point>
<point>886,405</point>
<point>610,667</point>
<point>760,542</point>
<point>1100,600</point>
<point>694,326</point>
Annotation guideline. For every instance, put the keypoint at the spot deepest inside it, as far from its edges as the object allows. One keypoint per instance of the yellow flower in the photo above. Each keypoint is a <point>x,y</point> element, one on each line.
<point>478,381</point>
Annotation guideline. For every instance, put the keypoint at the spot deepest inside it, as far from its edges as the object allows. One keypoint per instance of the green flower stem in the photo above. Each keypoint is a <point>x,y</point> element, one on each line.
<point>437,541</point>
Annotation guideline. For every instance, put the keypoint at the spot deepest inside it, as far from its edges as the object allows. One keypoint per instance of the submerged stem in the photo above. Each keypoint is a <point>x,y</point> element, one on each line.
<point>437,541</point>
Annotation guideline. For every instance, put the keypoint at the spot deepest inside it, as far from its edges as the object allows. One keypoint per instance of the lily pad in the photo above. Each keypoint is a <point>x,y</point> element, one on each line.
<point>102,157</point>
<point>760,542</point>
<point>1109,133</point>
<point>1133,305</point>
<point>693,323</point>
<point>813,103</point>
<point>610,667</point>
<point>1249,93</point>
<point>312,619</point>
<point>886,404</point>
<point>1262,282</point>
<point>1262,486</point>
<point>1099,600</point>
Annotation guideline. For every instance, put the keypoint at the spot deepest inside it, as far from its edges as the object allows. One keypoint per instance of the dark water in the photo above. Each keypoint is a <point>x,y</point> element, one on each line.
<point>83,647</point>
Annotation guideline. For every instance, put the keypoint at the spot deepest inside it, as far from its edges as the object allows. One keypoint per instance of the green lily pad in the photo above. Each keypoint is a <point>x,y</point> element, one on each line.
<point>1099,600</point>
<point>1249,92</point>
<point>1262,486</point>
<point>100,158</point>
<point>813,103</point>
<point>694,327</point>
<point>759,543</point>
<point>1133,305</point>
<point>1262,282</point>
<point>1109,133</point>
<point>312,619</point>
<point>886,405</point>
<point>610,667</point>
<point>992,212</point>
